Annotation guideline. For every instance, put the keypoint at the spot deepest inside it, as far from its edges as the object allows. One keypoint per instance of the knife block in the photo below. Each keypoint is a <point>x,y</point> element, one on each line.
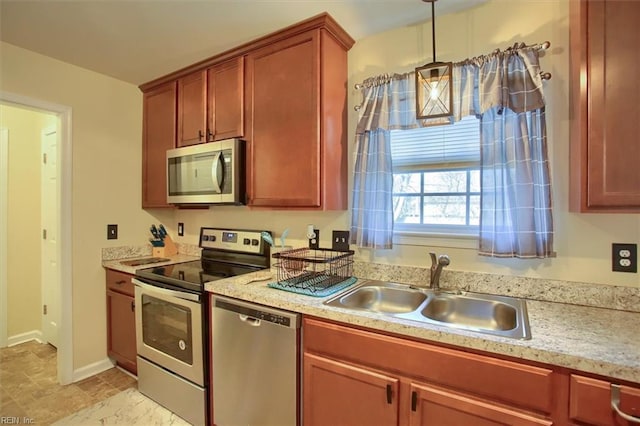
<point>169,248</point>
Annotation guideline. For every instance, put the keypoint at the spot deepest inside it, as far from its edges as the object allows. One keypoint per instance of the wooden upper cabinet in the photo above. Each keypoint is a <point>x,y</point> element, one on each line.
<point>192,107</point>
<point>225,100</point>
<point>211,104</point>
<point>605,115</point>
<point>158,135</point>
<point>296,122</point>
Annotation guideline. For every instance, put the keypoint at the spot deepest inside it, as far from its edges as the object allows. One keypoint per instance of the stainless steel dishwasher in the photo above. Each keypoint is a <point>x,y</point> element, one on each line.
<point>255,362</point>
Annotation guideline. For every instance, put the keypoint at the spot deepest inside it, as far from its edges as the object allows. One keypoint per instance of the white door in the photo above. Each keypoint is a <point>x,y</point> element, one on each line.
<point>49,220</point>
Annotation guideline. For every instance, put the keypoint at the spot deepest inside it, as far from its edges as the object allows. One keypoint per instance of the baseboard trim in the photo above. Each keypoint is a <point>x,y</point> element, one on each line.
<point>92,369</point>
<point>25,337</point>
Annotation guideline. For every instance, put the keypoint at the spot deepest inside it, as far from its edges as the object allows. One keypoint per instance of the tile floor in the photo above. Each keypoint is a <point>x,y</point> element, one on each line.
<point>29,388</point>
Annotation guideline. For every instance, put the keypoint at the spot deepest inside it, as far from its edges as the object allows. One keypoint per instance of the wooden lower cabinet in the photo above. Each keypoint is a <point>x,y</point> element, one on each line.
<point>431,405</point>
<point>359,377</point>
<point>121,321</point>
<point>336,393</point>
<point>590,402</point>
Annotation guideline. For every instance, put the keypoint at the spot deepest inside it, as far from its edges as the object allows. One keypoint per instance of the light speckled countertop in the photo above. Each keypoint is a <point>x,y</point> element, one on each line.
<point>589,339</point>
<point>585,338</point>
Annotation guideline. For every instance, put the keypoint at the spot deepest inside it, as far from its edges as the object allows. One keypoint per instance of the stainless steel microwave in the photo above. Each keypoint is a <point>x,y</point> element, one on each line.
<point>210,173</point>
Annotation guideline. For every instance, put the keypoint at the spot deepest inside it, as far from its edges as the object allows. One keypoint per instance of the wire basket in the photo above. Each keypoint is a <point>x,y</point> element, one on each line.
<point>312,271</point>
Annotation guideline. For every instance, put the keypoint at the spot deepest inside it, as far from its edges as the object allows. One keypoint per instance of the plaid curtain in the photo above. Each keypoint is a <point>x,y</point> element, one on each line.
<point>504,89</point>
<point>515,208</point>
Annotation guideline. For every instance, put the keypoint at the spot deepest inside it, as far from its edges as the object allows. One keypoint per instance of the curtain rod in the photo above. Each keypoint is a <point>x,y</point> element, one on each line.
<point>386,78</point>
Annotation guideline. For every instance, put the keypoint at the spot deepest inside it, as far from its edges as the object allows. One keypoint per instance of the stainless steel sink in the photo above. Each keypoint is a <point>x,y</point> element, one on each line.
<point>385,299</point>
<point>499,315</point>
<point>483,313</point>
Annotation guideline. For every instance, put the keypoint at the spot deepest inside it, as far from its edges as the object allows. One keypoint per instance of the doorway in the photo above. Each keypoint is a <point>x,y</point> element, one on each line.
<point>61,221</point>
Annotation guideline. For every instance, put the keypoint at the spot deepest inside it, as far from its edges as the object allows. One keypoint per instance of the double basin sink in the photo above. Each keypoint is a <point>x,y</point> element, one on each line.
<point>484,313</point>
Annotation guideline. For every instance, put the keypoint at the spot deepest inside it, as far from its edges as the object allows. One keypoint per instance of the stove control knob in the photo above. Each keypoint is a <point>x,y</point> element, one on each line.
<point>246,241</point>
<point>212,238</point>
<point>205,238</point>
<point>255,242</point>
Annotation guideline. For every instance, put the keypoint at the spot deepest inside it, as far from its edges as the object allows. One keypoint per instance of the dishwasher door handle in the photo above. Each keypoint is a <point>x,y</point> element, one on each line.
<point>253,322</point>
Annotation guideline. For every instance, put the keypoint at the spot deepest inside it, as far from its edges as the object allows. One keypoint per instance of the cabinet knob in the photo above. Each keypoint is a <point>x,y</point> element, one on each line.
<point>133,306</point>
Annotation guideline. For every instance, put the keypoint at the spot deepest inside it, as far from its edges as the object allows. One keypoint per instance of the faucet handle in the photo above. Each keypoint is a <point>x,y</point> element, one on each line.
<point>434,260</point>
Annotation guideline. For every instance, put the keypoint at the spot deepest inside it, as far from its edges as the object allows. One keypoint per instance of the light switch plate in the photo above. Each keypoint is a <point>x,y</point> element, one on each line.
<point>340,241</point>
<point>112,232</point>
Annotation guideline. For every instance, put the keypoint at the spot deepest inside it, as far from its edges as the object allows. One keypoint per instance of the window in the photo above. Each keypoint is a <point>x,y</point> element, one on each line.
<point>436,178</point>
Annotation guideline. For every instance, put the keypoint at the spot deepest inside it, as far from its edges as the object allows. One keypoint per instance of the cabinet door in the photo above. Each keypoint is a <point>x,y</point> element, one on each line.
<point>225,100</point>
<point>192,109</point>
<point>431,405</point>
<point>158,135</point>
<point>335,393</point>
<point>121,329</point>
<point>605,151</point>
<point>590,402</point>
<point>283,109</point>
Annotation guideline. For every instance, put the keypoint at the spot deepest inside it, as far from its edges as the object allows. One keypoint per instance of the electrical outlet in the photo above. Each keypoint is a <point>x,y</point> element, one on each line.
<point>314,242</point>
<point>624,257</point>
<point>112,232</point>
<point>340,241</point>
<point>180,229</point>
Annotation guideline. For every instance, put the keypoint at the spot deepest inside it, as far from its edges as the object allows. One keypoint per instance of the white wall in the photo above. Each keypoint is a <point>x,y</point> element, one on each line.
<point>582,241</point>
<point>106,150</point>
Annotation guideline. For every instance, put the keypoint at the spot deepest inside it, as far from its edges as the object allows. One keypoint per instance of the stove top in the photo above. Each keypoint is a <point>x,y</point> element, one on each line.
<point>225,253</point>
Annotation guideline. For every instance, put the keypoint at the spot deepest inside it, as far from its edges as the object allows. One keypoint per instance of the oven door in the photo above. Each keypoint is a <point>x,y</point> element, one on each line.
<point>169,330</point>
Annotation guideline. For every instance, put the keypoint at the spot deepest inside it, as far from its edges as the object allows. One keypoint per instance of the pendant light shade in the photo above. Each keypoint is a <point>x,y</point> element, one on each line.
<point>434,88</point>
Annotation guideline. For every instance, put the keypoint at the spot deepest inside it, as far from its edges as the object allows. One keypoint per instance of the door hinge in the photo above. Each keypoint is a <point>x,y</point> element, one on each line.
<point>44,158</point>
<point>44,309</point>
<point>44,234</point>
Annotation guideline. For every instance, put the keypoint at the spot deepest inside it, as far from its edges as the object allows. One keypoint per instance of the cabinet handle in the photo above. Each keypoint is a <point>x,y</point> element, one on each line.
<point>120,282</point>
<point>389,394</point>
<point>414,400</point>
<point>209,135</point>
<point>200,135</point>
<point>615,404</point>
<point>133,306</point>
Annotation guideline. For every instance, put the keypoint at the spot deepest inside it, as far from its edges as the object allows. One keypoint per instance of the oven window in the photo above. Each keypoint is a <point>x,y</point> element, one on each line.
<point>167,327</point>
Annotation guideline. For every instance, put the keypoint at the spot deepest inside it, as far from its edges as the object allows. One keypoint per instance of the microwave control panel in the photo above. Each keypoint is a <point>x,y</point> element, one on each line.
<point>234,240</point>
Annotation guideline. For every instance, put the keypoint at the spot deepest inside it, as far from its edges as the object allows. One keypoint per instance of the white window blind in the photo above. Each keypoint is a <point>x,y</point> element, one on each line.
<point>457,145</point>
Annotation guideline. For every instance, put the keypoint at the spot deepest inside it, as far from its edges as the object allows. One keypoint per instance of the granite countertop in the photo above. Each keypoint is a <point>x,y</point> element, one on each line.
<point>589,339</point>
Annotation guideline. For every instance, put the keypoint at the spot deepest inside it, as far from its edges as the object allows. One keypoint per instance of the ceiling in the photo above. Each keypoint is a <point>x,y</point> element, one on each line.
<point>140,40</point>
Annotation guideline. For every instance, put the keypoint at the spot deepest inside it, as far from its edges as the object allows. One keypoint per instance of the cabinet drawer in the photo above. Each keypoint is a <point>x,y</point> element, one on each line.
<point>120,282</point>
<point>519,384</point>
<point>590,402</point>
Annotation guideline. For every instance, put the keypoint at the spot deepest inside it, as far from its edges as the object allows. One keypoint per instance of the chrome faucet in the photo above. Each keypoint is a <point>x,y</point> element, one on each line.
<point>436,269</point>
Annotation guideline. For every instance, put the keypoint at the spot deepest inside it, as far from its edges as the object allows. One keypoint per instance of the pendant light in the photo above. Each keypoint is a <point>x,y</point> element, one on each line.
<point>434,88</point>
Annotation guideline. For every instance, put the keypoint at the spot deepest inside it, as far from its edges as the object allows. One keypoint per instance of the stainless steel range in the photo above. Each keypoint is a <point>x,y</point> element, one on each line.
<point>172,329</point>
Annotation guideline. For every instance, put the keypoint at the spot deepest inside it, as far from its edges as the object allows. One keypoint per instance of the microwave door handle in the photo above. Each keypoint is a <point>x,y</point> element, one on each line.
<point>214,172</point>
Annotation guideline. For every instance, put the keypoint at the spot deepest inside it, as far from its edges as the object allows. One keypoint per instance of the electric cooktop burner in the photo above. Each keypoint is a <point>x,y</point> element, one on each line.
<point>225,253</point>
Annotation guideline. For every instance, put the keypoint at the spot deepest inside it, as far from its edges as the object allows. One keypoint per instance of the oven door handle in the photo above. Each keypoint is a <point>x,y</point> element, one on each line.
<point>172,293</point>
